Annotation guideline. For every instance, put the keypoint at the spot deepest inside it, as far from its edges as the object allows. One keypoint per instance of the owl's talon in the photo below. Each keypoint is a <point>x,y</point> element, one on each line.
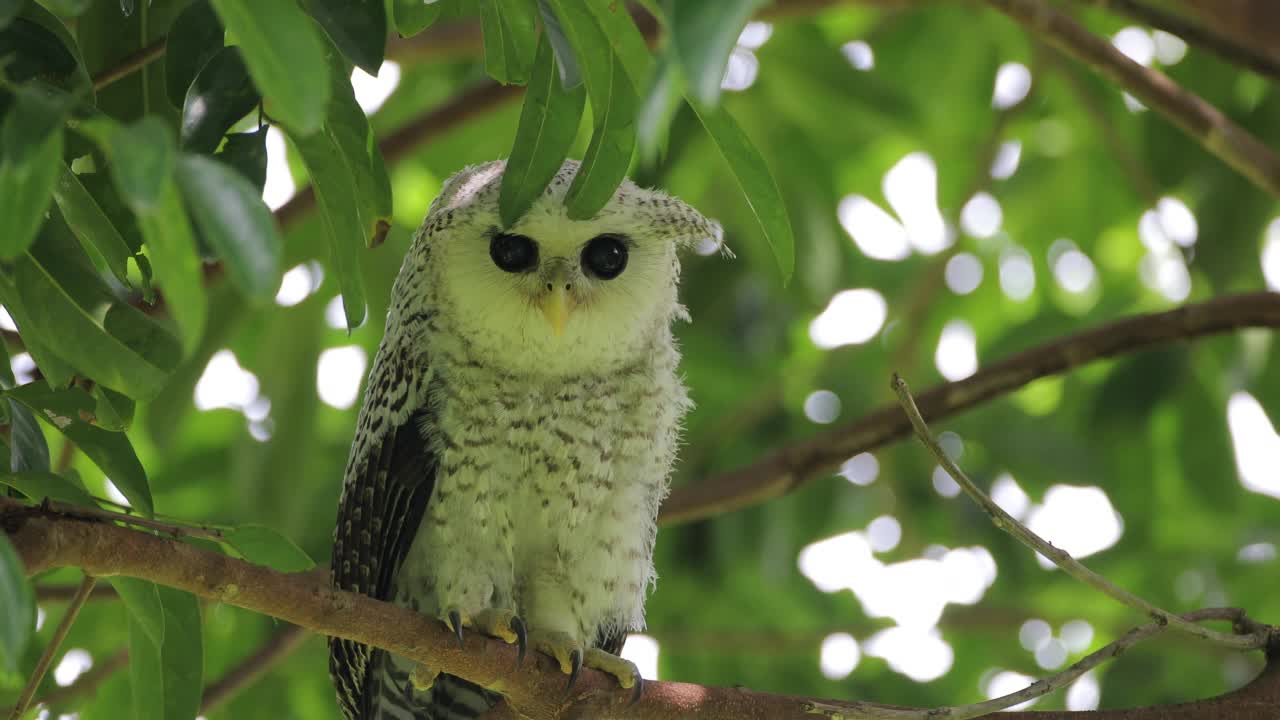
<point>637,691</point>
<point>625,671</point>
<point>455,624</point>
<point>575,660</point>
<point>522,638</point>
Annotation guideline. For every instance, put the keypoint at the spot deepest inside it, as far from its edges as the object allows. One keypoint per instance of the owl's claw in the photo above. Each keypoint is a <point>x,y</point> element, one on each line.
<point>453,618</point>
<point>625,671</point>
<point>575,661</point>
<point>522,638</point>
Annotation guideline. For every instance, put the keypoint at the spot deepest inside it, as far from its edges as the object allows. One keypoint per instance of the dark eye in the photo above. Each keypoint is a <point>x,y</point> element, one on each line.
<point>513,253</point>
<point>605,256</point>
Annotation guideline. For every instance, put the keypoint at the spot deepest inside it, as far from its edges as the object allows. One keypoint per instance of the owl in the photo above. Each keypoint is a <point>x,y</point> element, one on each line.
<point>519,426</point>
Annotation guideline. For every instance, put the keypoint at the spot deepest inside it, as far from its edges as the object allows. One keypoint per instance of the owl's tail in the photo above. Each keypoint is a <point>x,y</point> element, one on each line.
<point>393,697</point>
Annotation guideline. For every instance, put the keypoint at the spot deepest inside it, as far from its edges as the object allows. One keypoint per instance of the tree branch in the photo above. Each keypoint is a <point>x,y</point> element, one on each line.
<point>46,541</point>
<point>1188,111</point>
<point>46,658</point>
<point>130,64</point>
<point>280,646</point>
<point>786,468</point>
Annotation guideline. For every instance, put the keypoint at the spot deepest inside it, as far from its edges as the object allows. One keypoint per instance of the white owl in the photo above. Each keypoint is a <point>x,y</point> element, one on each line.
<point>516,437</point>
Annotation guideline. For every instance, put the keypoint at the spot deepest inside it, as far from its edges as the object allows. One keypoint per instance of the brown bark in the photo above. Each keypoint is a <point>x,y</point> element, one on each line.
<point>1253,23</point>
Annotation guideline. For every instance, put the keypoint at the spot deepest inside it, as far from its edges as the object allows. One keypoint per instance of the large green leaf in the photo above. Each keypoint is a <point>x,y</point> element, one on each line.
<point>30,159</point>
<point>91,225</point>
<point>141,154</point>
<point>613,108</point>
<point>142,599</point>
<point>37,44</point>
<point>357,27</point>
<point>73,412</point>
<point>195,36</point>
<point>8,11</point>
<point>331,177</point>
<point>231,216</point>
<point>167,678</point>
<point>413,16</point>
<point>548,126</point>
<point>18,621</point>
<point>219,96</point>
<point>285,55</point>
<point>510,38</point>
<point>756,180</point>
<point>703,33</point>
<point>40,485</point>
<point>28,449</point>
<point>62,307</point>
<point>566,62</point>
<point>265,546</point>
<point>247,153</point>
<point>172,248</point>
<point>625,39</point>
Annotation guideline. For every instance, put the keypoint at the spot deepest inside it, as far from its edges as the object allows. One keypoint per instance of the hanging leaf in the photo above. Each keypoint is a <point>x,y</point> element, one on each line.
<point>28,449</point>
<point>91,225</point>
<point>231,216</point>
<point>625,39</point>
<point>285,55</point>
<point>194,38</point>
<point>510,39</point>
<point>114,410</point>
<point>30,159</point>
<point>182,659</point>
<point>220,95</point>
<point>18,621</point>
<point>73,413</point>
<point>754,177</point>
<point>548,124</point>
<point>247,153</point>
<point>142,599</point>
<point>703,33</point>
<point>413,16</point>
<point>357,27</point>
<point>264,546</point>
<point>566,61</point>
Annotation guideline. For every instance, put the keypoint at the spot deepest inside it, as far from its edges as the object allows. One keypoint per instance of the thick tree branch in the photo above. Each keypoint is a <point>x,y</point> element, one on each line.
<point>784,469</point>
<point>1188,111</point>
<point>46,541</point>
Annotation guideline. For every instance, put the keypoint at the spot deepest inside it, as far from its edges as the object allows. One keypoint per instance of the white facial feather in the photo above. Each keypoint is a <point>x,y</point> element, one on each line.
<point>612,319</point>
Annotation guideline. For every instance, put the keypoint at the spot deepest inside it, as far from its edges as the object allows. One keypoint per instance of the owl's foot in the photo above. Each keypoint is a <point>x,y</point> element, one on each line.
<point>572,657</point>
<point>494,622</point>
<point>422,678</point>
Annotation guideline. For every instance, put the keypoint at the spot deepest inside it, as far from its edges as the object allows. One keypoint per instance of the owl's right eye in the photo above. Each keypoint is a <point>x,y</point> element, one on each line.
<point>513,253</point>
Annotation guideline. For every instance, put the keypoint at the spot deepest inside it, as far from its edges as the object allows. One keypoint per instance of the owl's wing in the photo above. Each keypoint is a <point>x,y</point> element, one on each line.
<point>389,480</point>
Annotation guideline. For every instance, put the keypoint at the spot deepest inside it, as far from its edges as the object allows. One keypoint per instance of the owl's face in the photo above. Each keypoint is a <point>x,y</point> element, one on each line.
<point>553,296</point>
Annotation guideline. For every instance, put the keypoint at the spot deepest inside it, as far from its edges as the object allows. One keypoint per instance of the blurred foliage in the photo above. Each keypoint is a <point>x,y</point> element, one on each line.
<point>109,195</point>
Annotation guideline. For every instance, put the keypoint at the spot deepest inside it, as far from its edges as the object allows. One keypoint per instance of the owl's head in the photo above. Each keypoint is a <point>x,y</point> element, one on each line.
<point>551,295</point>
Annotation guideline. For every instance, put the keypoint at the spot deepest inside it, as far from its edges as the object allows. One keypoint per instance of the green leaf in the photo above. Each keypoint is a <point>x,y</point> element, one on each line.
<point>510,38</point>
<point>114,411</point>
<point>195,36</point>
<point>339,216</point>
<point>167,679</point>
<point>68,8</point>
<point>28,449</point>
<point>141,156</point>
<point>570,71</point>
<point>413,16</point>
<point>247,153</point>
<point>625,39</point>
<point>220,95</point>
<point>8,11</point>
<point>32,155</point>
<point>613,108</point>
<point>657,109</point>
<point>64,308</point>
<point>40,485</point>
<point>73,412</point>
<point>548,124</point>
<point>142,599</point>
<point>754,177</point>
<point>703,33</point>
<point>357,27</point>
<point>18,621</point>
<point>265,546</point>
<point>171,246</point>
<point>91,225</point>
<point>231,216</point>
<point>37,44</point>
<point>285,56</point>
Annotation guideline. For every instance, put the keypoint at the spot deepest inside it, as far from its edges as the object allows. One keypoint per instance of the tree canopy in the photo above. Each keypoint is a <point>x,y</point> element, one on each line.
<point>1058,221</point>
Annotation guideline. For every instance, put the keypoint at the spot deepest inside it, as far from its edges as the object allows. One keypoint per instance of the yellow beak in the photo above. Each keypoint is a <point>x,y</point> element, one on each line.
<point>556,305</point>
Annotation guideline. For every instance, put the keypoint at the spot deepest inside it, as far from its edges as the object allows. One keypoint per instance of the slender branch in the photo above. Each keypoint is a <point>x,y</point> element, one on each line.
<point>1057,556</point>
<point>65,593</point>
<point>87,682</point>
<point>175,529</point>
<point>1194,34</point>
<point>1188,111</point>
<point>535,689</point>
<point>59,634</point>
<point>279,647</point>
<point>786,468</point>
<point>130,64</point>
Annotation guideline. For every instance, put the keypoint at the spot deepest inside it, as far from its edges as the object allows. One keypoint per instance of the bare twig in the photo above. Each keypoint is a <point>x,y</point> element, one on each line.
<point>535,689</point>
<point>1202,121</point>
<point>279,647</point>
<point>46,658</point>
<point>1058,556</point>
<point>786,468</point>
<point>130,64</point>
<point>64,593</point>
<point>176,529</point>
<point>87,682</point>
<point>1195,35</point>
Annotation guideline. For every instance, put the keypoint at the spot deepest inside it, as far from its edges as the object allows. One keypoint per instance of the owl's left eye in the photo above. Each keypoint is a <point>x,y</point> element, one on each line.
<point>605,256</point>
<point>513,253</point>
